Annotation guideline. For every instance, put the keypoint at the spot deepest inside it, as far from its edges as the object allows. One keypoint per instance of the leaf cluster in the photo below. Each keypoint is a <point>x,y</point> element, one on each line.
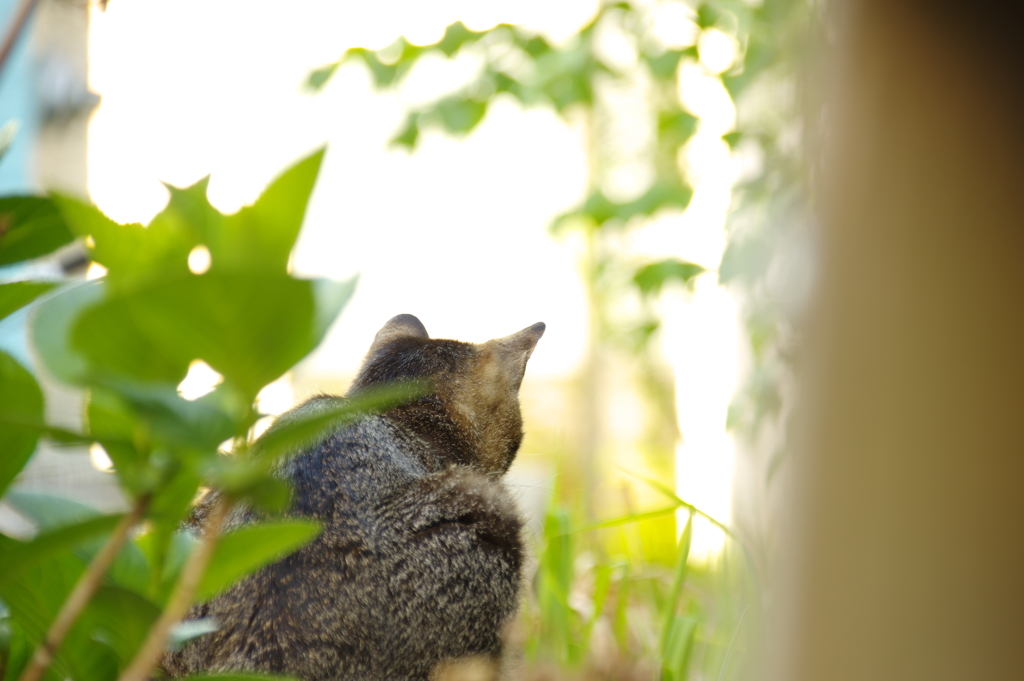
<point>519,63</point>
<point>127,341</point>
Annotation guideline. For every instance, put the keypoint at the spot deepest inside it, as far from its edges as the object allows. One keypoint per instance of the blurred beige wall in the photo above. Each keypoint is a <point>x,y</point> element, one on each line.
<point>903,555</point>
<point>59,34</point>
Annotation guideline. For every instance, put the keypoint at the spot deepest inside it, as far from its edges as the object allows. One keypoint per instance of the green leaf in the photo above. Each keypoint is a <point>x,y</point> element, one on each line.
<point>456,36</point>
<point>409,134</point>
<point>109,337</point>
<point>598,209</point>
<point>18,556</point>
<point>186,630</point>
<point>651,278</point>
<point>383,74</point>
<point>64,519</point>
<point>640,335</point>
<point>21,401</point>
<point>675,127</point>
<point>18,650</point>
<point>188,213</point>
<point>250,481</point>
<point>319,77</point>
<point>236,677</point>
<point>34,599</point>
<point>168,508</point>
<point>298,430</point>
<point>261,236</point>
<point>460,114</point>
<point>30,227</point>
<point>121,619</point>
<point>18,294</point>
<point>535,46</point>
<point>663,66</point>
<point>35,596</point>
<point>49,511</point>
<point>166,553</point>
<point>51,330</point>
<point>111,422</point>
<point>249,327</point>
<point>329,298</point>
<point>246,550</point>
<point>132,254</point>
<point>203,423</point>
<point>707,15</point>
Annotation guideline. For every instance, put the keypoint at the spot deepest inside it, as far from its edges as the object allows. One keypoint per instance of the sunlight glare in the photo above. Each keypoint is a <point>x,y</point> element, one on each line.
<point>717,50</point>
<point>673,25</point>
<point>95,271</point>
<point>99,458</point>
<point>200,380</point>
<point>276,397</point>
<point>273,400</point>
<point>199,260</point>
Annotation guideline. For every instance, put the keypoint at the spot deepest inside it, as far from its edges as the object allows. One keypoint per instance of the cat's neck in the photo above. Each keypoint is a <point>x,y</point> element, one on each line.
<point>448,441</point>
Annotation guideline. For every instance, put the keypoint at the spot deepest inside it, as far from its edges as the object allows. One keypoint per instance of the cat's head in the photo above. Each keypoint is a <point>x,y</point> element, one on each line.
<point>472,408</point>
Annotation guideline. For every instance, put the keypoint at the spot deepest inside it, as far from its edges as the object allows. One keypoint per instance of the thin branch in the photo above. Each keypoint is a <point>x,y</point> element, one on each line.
<point>181,598</point>
<point>82,593</point>
<point>16,29</point>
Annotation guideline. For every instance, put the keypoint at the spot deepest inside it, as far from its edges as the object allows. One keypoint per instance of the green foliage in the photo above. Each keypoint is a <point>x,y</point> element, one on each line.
<point>18,294</point>
<point>234,677</point>
<point>650,279</point>
<point>127,341</point>
<point>21,405</point>
<point>562,78</point>
<point>247,549</point>
<point>30,226</point>
<point>656,614</point>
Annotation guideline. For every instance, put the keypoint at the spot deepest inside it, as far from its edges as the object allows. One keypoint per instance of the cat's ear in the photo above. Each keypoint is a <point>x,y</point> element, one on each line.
<point>398,327</point>
<point>522,342</point>
<point>511,352</point>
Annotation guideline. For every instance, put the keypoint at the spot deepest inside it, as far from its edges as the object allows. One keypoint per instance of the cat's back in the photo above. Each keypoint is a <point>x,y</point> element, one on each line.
<point>348,471</point>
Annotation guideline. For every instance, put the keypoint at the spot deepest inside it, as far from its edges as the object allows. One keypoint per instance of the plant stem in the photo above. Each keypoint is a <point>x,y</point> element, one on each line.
<point>16,29</point>
<point>181,598</point>
<point>82,593</point>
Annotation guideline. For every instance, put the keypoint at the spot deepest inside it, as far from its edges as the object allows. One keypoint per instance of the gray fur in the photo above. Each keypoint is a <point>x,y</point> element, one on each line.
<point>420,562</point>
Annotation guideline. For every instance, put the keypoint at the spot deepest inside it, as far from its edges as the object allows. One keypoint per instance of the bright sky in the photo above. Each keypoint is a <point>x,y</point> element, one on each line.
<point>455,233</point>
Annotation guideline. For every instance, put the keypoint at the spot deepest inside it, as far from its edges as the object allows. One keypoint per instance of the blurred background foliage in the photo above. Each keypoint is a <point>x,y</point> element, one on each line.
<point>615,592</point>
<point>620,602</point>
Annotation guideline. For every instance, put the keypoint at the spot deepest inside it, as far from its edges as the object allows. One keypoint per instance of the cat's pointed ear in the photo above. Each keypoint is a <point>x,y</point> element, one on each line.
<point>398,327</point>
<point>522,341</point>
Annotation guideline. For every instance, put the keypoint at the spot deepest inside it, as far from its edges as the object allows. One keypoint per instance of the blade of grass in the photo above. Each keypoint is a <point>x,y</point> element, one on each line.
<point>678,580</point>
<point>732,645</point>
<point>685,504</point>
<point>632,518</point>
